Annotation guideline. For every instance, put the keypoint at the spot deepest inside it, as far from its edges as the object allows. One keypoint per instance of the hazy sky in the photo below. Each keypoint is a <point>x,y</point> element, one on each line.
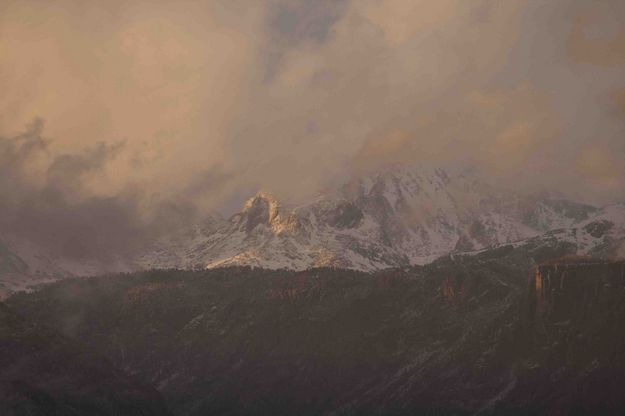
<point>140,109</point>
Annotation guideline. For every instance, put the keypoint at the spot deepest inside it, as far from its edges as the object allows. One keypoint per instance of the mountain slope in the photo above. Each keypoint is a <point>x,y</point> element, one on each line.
<point>44,373</point>
<point>462,336</point>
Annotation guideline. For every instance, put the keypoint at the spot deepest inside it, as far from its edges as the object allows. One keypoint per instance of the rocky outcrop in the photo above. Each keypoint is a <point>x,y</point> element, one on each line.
<point>570,358</point>
<point>571,289</point>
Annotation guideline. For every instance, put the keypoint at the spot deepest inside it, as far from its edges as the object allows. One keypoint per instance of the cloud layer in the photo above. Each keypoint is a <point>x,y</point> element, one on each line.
<point>155,107</point>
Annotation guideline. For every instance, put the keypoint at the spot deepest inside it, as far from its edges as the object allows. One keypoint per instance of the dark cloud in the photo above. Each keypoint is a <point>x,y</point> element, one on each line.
<point>295,22</point>
<point>59,214</point>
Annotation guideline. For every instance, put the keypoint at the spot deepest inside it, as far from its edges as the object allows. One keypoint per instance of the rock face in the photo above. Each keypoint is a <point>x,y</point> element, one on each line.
<point>572,289</point>
<point>572,360</point>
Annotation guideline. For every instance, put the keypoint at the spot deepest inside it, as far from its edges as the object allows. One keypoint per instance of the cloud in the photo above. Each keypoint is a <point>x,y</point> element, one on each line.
<point>154,108</point>
<point>598,35</point>
<point>486,83</point>
<point>57,212</point>
<point>163,77</point>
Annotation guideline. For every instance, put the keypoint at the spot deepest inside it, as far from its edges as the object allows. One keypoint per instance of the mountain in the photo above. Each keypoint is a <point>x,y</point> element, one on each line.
<point>506,331</point>
<point>394,218</point>
<point>24,265</point>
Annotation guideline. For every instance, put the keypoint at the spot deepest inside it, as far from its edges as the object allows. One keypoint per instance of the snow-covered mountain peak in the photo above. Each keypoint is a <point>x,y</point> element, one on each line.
<point>397,217</point>
<point>425,191</point>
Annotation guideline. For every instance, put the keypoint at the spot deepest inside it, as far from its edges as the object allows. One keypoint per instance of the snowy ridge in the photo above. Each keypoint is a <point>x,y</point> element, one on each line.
<point>388,219</point>
<point>602,235</point>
